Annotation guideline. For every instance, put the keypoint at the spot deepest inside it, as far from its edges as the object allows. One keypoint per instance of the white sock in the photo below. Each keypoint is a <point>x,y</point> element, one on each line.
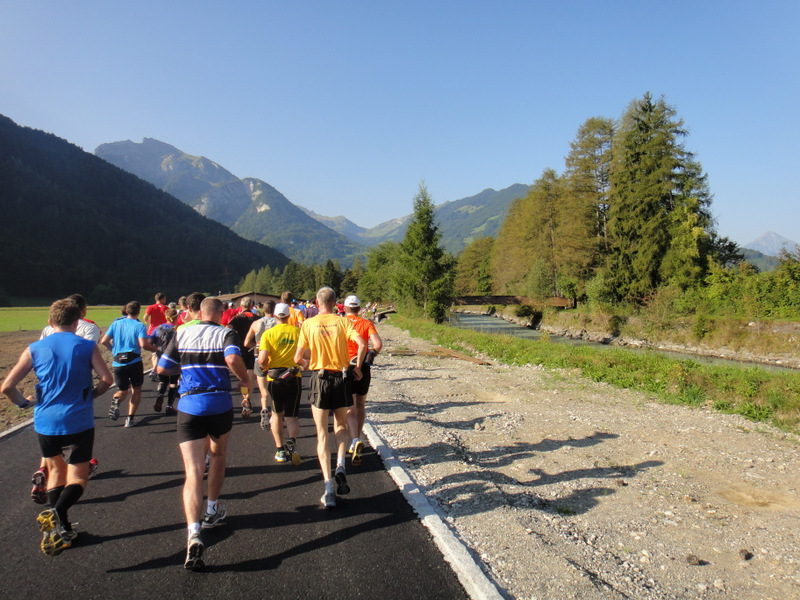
<point>212,507</point>
<point>194,528</point>
<point>353,443</point>
<point>340,463</point>
<point>329,485</point>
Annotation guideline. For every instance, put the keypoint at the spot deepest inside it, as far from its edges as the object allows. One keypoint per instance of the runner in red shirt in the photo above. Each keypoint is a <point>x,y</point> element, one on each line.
<point>154,314</point>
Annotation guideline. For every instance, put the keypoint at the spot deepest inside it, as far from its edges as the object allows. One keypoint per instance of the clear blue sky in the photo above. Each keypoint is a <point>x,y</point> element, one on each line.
<point>345,106</point>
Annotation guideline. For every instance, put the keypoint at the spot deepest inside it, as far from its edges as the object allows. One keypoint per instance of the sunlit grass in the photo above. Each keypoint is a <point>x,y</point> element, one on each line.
<point>35,318</point>
<point>757,394</point>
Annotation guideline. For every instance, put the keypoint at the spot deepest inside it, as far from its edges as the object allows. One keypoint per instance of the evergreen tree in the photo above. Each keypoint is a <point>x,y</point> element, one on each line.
<point>659,212</point>
<point>352,277</point>
<point>293,278</point>
<point>332,276</point>
<point>425,276</point>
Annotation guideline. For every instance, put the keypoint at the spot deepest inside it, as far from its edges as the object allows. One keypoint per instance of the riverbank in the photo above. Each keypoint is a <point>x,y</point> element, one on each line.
<point>775,344</point>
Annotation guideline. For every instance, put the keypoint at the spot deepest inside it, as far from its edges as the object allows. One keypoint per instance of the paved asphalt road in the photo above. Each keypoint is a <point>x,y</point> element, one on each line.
<point>279,542</point>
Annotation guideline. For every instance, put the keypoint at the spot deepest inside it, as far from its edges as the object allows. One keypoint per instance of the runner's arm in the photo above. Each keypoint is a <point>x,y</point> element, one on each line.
<point>15,375</point>
<point>146,344</point>
<point>106,341</point>
<point>302,356</point>
<point>101,368</point>
<point>236,364</point>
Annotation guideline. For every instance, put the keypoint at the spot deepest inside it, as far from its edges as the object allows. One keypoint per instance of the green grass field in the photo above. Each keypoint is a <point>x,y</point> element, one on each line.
<point>35,318</point>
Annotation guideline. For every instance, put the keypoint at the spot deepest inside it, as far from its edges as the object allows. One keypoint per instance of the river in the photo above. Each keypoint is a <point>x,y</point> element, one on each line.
<point>495,325</point>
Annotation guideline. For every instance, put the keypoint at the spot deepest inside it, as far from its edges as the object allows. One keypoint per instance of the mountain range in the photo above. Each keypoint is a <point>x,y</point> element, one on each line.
<point>75,223</point>
<point>250,207</point>
<point>257,211</point>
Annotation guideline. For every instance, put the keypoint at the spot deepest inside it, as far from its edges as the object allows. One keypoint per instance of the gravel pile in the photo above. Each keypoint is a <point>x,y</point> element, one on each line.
<point>565,488</point>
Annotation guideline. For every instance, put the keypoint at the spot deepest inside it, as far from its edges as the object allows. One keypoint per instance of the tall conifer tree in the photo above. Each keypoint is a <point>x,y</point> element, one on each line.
<point>425,276</point>
<point>658,216</point>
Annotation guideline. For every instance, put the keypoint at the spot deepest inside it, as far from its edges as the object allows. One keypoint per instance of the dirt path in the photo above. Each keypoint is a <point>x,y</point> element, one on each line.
<point>570,489</point>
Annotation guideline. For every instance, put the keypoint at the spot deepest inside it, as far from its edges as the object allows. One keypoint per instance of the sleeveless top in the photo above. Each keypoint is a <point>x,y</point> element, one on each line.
<point>63,364</point>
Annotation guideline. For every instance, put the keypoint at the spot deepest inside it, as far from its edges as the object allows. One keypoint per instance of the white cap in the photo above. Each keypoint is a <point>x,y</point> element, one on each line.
<point>281,310</point>
<point>352,302</point>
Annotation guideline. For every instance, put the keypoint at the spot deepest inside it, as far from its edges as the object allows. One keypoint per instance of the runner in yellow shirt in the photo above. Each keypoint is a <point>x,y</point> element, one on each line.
<point>276,352</point>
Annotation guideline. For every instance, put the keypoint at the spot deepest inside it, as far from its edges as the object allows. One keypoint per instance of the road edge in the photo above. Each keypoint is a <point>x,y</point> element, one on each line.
<point>475,581</point>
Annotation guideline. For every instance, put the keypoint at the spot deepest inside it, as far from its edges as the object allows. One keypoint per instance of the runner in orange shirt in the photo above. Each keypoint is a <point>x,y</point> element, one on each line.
<point>356,414</point>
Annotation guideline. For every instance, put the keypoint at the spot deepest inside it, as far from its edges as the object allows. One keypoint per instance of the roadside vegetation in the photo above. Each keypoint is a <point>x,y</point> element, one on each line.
<point>757,394</point>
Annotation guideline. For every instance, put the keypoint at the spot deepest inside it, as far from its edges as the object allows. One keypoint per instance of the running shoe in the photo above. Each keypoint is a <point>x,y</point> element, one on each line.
<point>328,500</point>
<point>247,409</point>
<point>264,419</point>
<point>154,376</point>
<point>55,536</point>
<point>113,410</point>
<point>93,468</point>
<point>281,456</point>
<point>131,421</point>
<point>341,483</point>
<point>194,553</point>
<point>170,410</point>
<point>210,521</point>
<point>291,450</point>
<point>358,448</point>
<point>159,402</point>
<point>208,464</point>
<point>39,489</point>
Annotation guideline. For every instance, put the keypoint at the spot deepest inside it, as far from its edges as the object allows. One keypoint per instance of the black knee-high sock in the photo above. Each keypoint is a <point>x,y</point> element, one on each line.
<point>69,496</point>
<point>172,394</point>
<point>162,387</point>
<point>53,495</point>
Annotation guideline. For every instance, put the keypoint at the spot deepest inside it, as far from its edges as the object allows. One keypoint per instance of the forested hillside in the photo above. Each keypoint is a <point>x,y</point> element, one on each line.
<point>71,222</point>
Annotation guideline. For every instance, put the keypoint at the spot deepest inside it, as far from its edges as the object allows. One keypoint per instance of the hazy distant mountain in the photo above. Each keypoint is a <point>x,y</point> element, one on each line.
<point>250,207</point>
<point>75,223</point>
<point>341,224</point>
<point>771,244</point>
<point>461,221</point>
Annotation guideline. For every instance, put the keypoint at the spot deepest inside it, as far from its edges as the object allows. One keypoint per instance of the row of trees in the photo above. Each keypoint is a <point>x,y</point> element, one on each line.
<point>629,214</point>
<point>303,280</point>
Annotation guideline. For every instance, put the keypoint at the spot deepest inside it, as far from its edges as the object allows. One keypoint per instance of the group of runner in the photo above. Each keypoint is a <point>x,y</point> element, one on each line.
<point>194,357</point>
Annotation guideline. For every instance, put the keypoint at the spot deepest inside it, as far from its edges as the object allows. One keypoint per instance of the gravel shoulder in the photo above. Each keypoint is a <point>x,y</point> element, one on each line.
<point>566,488</point>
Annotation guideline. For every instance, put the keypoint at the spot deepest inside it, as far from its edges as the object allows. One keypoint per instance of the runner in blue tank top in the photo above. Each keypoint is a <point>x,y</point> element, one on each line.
<point>63,414</point>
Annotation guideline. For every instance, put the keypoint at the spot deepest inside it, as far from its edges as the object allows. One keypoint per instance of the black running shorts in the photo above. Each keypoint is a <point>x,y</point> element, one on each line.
<point>196,427</point>
<point>249,359</point>
<point>82,446</point>
<point>360,387</point>
<point>285,395</point>
<point>328,391</point>
<point>129,376</point>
